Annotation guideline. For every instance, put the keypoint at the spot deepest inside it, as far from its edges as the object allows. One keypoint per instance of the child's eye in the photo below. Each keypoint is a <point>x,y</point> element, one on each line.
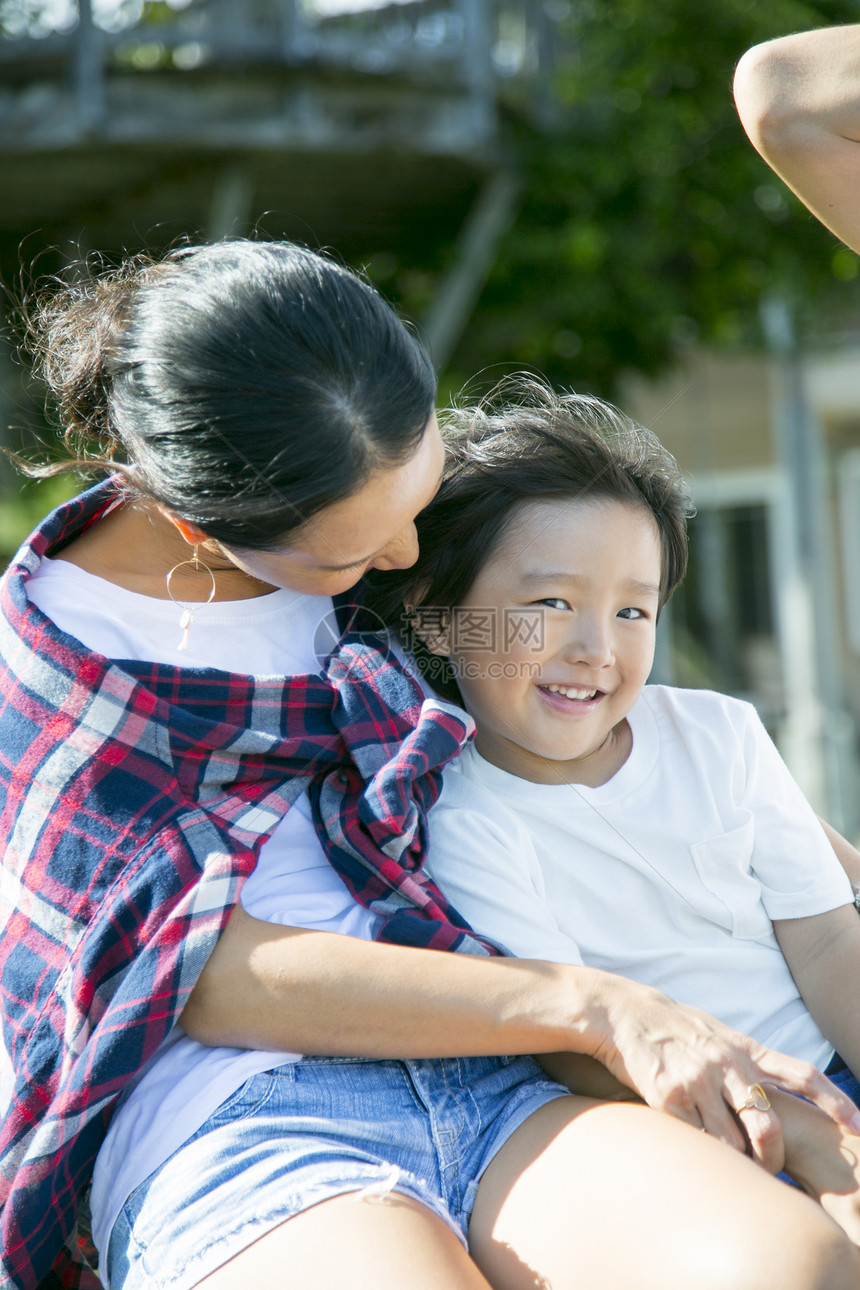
<point>630,612</point>
<point>554,602</point>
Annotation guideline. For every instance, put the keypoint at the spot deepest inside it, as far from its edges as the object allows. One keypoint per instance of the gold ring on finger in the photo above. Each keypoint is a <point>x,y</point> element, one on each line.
<point>757,1099</point>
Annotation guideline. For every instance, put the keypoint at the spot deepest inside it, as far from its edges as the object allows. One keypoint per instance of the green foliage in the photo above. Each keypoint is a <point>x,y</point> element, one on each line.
<point>648,220</point>
<point>22,510</point>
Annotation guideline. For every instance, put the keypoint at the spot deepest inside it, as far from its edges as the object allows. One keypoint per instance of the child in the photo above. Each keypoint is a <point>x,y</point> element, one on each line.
<point>642,829</point>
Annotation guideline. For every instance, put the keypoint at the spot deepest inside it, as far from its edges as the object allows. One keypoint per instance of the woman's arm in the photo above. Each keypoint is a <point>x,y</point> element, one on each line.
<point>799,101</point>
<point>283,988</point>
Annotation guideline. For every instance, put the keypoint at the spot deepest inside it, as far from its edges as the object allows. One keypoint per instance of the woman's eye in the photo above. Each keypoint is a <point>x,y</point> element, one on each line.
<point>630,612</point>
<point>554,602</point>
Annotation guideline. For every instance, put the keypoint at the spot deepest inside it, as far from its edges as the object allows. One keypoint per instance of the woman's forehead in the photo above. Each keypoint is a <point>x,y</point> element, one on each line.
<point>361,524</point>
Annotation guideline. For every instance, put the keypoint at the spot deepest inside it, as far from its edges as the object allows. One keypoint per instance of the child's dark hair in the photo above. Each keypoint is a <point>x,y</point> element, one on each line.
<point>242,385</point>
<point>524,444</point>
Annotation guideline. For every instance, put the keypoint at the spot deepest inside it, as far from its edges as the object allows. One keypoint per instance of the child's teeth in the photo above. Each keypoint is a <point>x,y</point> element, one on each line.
<point>570,693</point>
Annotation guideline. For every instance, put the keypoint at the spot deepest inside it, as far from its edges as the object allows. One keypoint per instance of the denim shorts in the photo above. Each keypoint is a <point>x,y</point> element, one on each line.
<point>311,1130</point>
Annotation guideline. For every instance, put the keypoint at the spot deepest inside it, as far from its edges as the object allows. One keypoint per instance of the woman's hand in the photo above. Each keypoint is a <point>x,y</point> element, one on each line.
<point>686,1063</point>
<point>823,1158</point>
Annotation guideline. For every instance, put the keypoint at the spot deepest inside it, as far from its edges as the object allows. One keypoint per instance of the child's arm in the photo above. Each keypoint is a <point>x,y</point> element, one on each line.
<point>823,952</point>
<point>799,101</point>
<point>847,855</point>
<point>586,1076</point>
<point>822,1157</point>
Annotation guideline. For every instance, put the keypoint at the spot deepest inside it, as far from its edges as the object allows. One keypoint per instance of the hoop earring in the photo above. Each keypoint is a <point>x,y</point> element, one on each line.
<point>188,611</point>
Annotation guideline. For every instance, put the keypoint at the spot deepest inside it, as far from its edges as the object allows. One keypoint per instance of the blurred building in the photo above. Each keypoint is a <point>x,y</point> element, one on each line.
<point>373,130</point>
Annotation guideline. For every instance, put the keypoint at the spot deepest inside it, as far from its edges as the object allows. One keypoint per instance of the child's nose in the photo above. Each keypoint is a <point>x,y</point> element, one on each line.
<point>590,643</point>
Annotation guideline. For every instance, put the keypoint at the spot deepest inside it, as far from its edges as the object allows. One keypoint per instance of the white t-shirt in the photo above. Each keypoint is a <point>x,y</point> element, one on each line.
<point>669,873</point>
<point>293,883</point>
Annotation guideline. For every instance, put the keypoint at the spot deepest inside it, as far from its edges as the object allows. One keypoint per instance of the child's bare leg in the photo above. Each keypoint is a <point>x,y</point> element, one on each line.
<point>592,1195</point>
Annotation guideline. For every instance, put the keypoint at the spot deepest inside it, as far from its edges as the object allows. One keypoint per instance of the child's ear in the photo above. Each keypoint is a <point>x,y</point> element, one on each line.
<point>433,626</point>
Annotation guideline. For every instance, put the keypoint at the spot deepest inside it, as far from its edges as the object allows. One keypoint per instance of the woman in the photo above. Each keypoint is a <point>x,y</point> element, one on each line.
<point>273,424</point>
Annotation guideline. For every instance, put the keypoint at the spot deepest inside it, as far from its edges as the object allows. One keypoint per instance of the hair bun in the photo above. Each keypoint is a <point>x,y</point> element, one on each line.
<point>73,335</point>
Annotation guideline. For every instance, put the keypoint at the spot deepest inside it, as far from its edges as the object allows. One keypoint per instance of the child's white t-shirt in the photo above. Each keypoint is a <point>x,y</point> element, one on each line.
<point>293,883</point>
<point>670,873</point>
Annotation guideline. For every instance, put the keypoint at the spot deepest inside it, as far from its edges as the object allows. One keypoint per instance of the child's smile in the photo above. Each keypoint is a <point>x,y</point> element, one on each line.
<point>550,702</point>
<point>569,698</point>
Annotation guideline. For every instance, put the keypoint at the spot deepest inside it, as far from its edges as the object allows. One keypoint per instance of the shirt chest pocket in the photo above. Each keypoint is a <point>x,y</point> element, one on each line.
<point>733,895</point>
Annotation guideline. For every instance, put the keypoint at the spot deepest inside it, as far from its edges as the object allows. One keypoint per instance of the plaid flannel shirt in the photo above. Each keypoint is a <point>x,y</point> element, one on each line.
<point>134,799</point>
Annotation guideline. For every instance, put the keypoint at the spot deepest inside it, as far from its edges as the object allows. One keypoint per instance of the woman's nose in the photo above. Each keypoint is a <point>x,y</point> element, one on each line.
<point>401,552</point>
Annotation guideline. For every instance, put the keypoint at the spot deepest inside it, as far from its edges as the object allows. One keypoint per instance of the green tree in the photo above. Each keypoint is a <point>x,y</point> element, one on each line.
<point>648,220</point>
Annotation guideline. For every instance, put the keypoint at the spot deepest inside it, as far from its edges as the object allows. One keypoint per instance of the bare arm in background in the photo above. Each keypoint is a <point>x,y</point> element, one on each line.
<point>798,98</point>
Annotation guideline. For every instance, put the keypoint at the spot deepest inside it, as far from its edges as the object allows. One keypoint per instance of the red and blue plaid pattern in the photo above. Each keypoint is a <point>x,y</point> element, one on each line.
<point>134,799</point>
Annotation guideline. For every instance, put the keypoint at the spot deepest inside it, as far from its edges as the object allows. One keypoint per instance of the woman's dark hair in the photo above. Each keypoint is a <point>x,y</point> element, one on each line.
<point>523,444</point>
<point>243,385</point>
